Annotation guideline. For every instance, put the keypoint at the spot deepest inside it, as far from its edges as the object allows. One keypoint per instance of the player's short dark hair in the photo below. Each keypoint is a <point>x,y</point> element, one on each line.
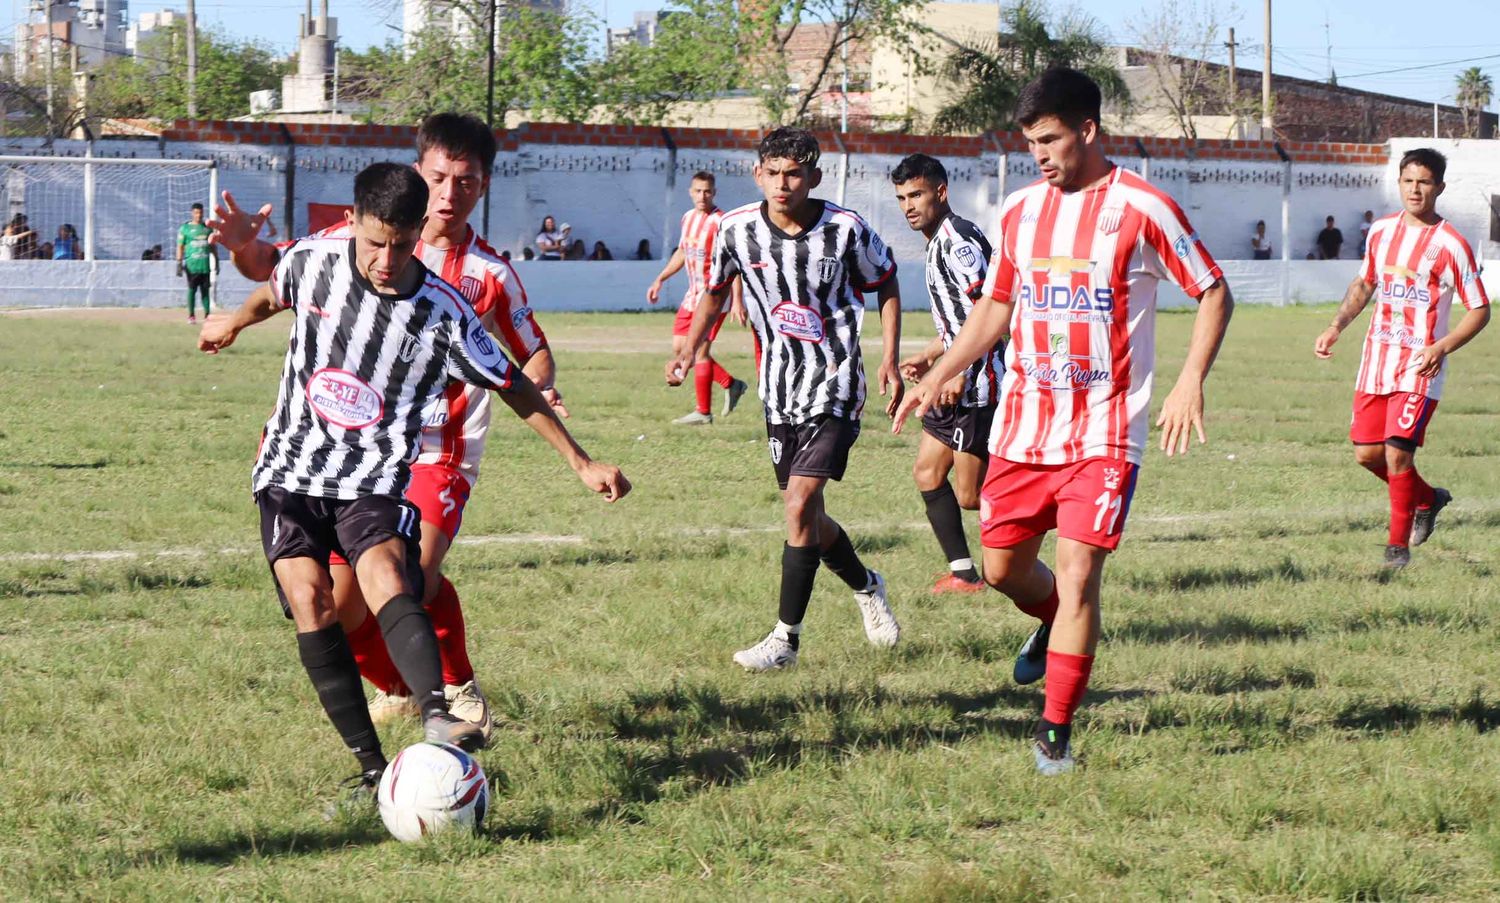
<point>392,193</point>
<point>196,207</point>
<point>787,143</point>
<point>457,135</point>
<point>1435,162</point>
<point>1062,92</point>
<point>920,166</point>
<point>704,175</point>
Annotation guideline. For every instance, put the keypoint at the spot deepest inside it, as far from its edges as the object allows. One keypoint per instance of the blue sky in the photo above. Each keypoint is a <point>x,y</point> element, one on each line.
<point>1367,36</point>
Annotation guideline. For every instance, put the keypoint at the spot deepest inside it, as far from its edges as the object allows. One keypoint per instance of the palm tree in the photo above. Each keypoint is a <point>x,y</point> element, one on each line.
<point>1474,92</point>
<point>991,73</point>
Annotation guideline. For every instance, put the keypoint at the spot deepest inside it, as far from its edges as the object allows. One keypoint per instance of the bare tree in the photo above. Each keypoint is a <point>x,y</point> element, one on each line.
<point>1177,40</point>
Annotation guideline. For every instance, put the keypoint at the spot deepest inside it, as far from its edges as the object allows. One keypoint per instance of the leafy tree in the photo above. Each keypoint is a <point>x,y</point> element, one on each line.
<point>1474,90</point>
<point>695,56</point>
<point>990,75</point>
<point>153,83</point>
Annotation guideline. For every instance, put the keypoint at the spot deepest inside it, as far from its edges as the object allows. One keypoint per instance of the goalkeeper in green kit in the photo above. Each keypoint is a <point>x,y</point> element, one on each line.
<point>197,258</point>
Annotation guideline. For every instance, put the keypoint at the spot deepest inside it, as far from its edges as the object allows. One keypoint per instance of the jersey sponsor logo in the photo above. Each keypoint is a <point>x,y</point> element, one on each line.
<point>436,413</point>
<point>1401,291</point>
<point>828,268</point>
<point>1400,272</point>
<point>471,289</point>
<point>1398,336</point>
<point>1060,266</point>
<point>798,322</point>
<point>1063,371</point>
<point>760,266</point>
<point>1067,298</point>
<point>481,339</point>
<point>775,446</point>
<point>1110,219</point>
<point>343,399</point>
<point>1183,244</point>
<point>875,253</point>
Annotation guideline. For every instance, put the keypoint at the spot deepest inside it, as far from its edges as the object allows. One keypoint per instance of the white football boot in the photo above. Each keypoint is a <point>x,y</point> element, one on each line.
<point>468,702</point>
<point>881,628</point>
<point>771,653</point>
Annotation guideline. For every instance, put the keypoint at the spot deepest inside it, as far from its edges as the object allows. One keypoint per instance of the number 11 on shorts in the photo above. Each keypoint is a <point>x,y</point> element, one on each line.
<point>1109,505</point>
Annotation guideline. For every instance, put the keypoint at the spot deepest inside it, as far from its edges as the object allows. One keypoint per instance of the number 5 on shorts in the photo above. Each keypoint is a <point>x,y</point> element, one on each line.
<point>1109,503</point>
<point>1409,411</point>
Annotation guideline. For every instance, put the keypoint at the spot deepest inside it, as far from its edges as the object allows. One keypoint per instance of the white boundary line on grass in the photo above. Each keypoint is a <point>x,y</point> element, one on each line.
<point>1476,506</point>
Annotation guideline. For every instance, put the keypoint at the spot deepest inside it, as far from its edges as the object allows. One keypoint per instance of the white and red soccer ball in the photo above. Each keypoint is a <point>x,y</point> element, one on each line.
<point>432,787</point>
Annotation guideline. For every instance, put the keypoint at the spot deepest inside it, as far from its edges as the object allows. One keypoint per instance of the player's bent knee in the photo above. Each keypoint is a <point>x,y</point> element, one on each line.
<point>968,499</point>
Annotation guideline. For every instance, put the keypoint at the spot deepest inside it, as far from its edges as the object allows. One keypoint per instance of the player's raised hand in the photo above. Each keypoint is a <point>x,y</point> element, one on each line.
<point>918,401</point>
<point>653,293</point>
<point>605,479</point>
<point>218,332</point>
<point>891,384</point>
<point>232,227</point>
<point>1429,361</point>
<point>555,399</point>
<point>1181,416</point>
<point>1323,347</point>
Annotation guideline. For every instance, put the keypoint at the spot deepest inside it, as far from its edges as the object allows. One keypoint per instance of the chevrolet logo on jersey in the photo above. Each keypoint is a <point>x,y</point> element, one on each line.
<point>1060,266</point>
<point>1400,272</point>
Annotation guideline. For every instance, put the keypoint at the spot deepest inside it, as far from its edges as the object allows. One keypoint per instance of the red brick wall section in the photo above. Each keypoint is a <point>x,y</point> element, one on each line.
<point>624,136</point>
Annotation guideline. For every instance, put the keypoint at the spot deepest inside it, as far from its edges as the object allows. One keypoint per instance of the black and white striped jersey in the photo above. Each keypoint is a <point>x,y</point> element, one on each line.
<point>803,294</point>
<point>956,259</point>
<point>360,371</point>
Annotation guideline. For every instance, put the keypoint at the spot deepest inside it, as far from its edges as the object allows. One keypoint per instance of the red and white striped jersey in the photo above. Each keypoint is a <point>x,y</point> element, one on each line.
<point>699,232</point>
<point>1415,271</point>
<point>1082,268</point>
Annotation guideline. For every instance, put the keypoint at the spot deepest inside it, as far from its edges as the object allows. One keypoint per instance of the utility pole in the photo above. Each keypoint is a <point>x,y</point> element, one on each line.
<point>1265,84</point>
<point>51,118</point>
<point>489,97</point>
<point>1233,87</point>
<point>192,60</point>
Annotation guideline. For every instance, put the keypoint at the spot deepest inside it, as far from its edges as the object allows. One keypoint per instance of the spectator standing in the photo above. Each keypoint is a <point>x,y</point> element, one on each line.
<point>1364,231</point>
<point>551,241</point>
<point>1260,245</point>
<point>1330,241</point>
<point>66,245</point>
<point>19,241</point>
<point>197,258</point>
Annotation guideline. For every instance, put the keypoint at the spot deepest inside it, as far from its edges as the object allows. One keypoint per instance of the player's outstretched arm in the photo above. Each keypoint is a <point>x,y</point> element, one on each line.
<point>708,311</point>
<point>916,366</point>
<point>674,265</point>
<point>526,400</point>
<point>889,373</point>
<point>1430,361</point>
<point>221,330</point>
<point>987,324</point>
<point>238,231</point>
<point>541,369</point>
<point>1355,298</point>
<point>1182,412</point>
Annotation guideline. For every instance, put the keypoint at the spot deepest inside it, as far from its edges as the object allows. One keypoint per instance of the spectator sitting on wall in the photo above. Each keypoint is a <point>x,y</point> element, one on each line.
<point>528,254</point>
<point>1260,245</point>
<point>1330,241</point>
<point>576,251</point>
<point>505,256</point>
<point>1364,231</point>
<point>601,252</point>
<point>1311,256</point>
<point>45,252</point>
<point>19,241</point>
<point>156,252</point>
<point>66,246</point>
<point>551,241</point>
<point>643,250</point>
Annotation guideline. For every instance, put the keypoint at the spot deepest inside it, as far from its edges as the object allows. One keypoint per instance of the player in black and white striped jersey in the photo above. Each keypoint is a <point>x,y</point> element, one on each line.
<point>376,340</point>
<point>956,432</point>
<point>805,265</point>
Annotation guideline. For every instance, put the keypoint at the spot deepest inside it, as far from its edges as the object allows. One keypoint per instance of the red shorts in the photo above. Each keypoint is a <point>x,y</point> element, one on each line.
<point>1399,415</point>
<point>1086,501</point>
<point>684,322</point>
<point>439,494</point>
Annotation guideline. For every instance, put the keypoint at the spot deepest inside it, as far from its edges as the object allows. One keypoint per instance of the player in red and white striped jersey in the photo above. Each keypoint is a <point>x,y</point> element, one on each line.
<point>454,156</point>
<point>1416,262</point>
<point>1073,282</point>
<point>695,254</point>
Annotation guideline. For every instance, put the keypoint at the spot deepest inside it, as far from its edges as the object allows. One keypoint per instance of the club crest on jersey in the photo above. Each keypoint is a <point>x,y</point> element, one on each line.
<point>1110,219</point>
<point>343,399</point>
<point>519,317</point>
<point>828,268</point>
<point>798,322</point>
<point>470,288</point>
<point>1111,478</point>
<point>1432,252</point>
<point>775,446</point>
<point>966,256</point>
<point>410,347</point>
<point>1183,244</point>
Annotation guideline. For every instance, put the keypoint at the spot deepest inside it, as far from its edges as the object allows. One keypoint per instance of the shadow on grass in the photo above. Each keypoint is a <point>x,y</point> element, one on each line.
<point>1285,571</point>
<point>277,842</point>
<point>1382,715</point>
<point>1216,631</point>
<point>59,465</point>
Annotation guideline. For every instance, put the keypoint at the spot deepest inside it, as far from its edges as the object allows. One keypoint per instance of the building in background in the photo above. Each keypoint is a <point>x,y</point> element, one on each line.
<point>84,34</point>
<point>147,24</point>
<point>642,30</point>
<point>310,88</point>
<point>458,18</point>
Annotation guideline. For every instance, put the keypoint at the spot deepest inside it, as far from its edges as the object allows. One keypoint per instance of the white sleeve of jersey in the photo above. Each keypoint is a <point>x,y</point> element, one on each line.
<point>474,356</point>
<point>966,259</point>
<point>872,259</point>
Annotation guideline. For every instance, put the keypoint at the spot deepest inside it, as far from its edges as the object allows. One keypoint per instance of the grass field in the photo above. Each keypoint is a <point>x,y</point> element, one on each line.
<point>1270,718</point>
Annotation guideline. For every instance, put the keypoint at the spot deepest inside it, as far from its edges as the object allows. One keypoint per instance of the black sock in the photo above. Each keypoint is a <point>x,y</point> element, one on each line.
<point>947,521</point>
<point>799,566</point>
<point>413,646</point>
<point>1053,736</point>
<point>844,561</point>
<point>330,664</point>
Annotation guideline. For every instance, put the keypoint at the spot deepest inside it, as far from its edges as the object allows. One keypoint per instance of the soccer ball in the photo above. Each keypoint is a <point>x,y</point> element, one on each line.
<point>431,787</point>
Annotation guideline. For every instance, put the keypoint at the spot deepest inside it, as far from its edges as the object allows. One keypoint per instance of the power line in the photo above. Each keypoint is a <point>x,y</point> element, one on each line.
<point>1472,59</point>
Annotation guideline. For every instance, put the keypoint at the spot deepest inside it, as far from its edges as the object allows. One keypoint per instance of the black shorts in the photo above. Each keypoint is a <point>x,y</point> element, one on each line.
<point>817,448</point>
<point>198,282</point>
<point>962,429</point>
<point>302,526</point>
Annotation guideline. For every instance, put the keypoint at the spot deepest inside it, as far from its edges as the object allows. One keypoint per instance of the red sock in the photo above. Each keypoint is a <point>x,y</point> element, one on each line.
<point>1044,610</point>
<point>1067,680</point>
<point>1408,492</point>
<point>448,623</point>
<point>703,381</point>
<point>374,659</point>
<point>721,376</point>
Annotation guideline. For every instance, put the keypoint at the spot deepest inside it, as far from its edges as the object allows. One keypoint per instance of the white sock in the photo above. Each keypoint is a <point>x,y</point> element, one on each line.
<point>962,564</point>
<point>787,629</point>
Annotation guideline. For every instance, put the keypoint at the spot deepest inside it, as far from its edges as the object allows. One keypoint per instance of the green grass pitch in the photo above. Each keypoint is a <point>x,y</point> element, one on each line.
<point>1270,717</point>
